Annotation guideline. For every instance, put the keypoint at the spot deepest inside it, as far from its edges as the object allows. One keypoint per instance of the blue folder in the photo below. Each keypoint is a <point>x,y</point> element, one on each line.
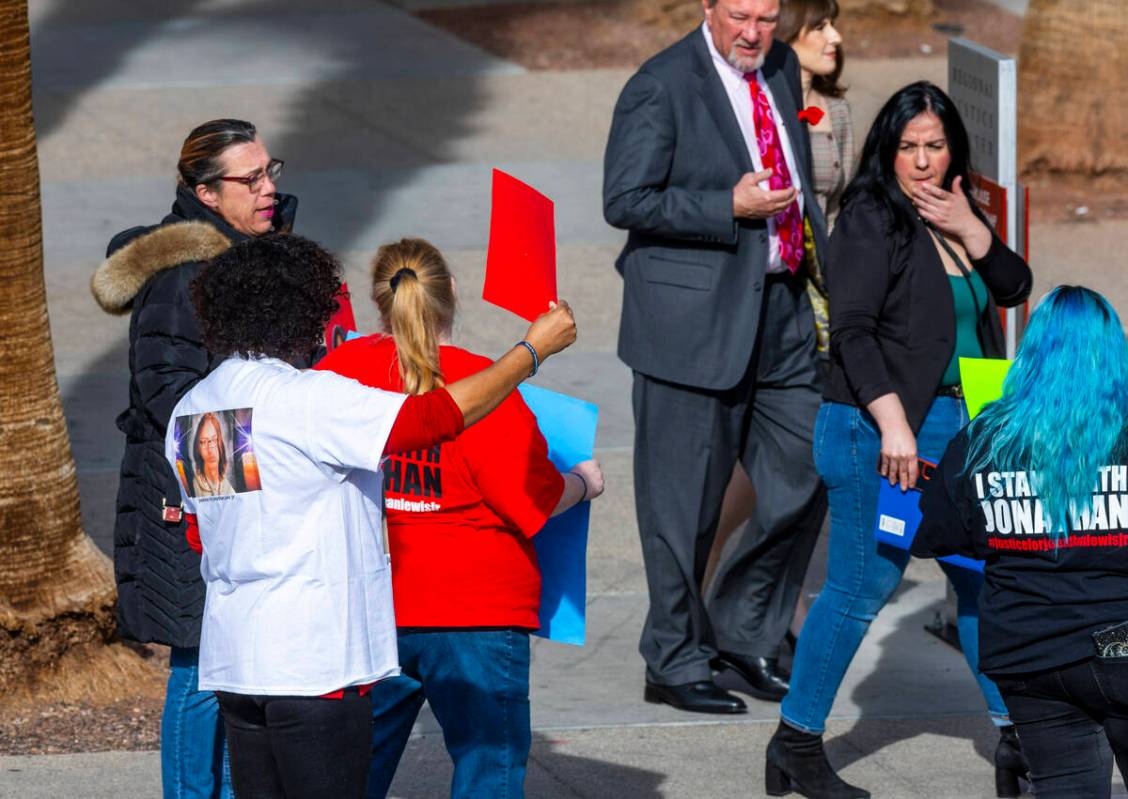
<point>898,516</point>
<point>568,425</point>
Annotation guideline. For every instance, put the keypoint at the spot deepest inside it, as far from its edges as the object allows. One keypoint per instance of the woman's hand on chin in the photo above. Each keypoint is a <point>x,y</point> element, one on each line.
<point>951,214</point>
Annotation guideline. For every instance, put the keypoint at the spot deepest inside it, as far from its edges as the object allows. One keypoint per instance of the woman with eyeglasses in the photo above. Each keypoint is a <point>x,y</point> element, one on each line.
<point>225,193</point>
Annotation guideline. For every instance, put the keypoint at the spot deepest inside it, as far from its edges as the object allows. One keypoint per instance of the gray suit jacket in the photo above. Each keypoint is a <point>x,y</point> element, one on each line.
<point>693,276</point>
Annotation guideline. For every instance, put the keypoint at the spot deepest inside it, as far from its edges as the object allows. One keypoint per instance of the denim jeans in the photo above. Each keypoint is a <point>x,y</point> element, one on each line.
<point>1067,719</point>
<point>193,755</point>
<point>298,747</point>
<point>863,574</point>
<point>477,683</point>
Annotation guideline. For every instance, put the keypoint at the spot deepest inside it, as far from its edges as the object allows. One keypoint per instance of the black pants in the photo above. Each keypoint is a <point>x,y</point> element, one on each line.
<point>1071,722</point>
<point>687,441</point>
<point>298,747</point>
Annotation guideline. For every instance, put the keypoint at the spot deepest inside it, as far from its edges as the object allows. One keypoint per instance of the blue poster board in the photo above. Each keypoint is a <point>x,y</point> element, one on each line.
<point>568,424</point>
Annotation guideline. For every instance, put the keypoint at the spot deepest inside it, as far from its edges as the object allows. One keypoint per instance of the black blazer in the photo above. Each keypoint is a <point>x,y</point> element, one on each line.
<point>892,315</point>
<point>693,276</point>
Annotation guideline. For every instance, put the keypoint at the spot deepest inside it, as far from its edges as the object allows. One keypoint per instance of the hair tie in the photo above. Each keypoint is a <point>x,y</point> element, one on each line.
<point>395,281</point>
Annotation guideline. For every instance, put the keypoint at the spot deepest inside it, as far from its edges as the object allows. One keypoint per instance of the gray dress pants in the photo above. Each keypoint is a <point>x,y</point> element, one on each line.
<point>687,441</point>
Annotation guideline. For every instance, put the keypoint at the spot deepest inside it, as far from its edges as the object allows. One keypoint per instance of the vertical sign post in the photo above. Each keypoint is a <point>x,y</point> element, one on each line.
<point>984,86</point>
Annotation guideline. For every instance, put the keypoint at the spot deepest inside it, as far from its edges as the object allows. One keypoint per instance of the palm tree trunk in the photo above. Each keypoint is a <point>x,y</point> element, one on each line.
<point>1072,92</point>
<point>56,588</point>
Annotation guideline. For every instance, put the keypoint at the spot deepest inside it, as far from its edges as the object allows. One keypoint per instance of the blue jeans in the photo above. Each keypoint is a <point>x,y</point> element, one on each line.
<point>863,574</point>
<point>193,756</point>
<point>477,683</point>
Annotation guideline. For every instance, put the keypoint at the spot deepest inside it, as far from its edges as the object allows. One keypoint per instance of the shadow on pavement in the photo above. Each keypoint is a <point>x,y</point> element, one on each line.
<point>897,673</point>
<point>349,129</point>
<point>425,772</point>
<point>91,403</point>
<point>866,739</point>
<point>57,46</point>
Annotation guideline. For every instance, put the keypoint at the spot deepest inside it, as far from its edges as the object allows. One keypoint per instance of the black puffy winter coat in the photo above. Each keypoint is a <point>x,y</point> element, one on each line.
<point>146,273</point>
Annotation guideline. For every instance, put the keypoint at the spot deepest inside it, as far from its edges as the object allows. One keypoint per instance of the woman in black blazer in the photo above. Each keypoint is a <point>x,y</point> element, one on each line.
<point>915,275</point>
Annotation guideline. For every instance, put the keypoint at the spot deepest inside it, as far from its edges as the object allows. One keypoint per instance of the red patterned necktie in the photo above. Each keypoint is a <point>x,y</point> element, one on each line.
<point>789,222</point>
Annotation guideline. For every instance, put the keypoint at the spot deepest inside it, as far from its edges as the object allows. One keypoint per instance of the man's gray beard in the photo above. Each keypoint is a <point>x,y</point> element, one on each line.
<point>734,60</point>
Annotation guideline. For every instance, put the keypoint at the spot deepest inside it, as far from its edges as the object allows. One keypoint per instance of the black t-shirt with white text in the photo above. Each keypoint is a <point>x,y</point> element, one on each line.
<point>1042,598</point>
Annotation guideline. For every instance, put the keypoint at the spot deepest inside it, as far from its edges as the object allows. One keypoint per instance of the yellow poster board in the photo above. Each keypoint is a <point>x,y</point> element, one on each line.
<point>982,380</point>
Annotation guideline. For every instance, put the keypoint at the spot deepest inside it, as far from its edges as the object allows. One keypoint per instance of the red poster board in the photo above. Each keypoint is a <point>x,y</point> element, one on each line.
<point>521,262</point>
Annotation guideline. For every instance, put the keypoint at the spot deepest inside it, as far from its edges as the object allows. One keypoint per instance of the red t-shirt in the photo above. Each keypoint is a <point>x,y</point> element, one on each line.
<point>461,516</point>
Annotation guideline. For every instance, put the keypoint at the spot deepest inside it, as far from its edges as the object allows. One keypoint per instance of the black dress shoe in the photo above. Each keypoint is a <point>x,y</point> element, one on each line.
<point>764,678</point>
<point>699,697</point>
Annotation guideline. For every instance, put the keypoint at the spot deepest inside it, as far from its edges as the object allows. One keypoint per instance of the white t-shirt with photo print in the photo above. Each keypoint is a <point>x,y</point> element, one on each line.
<point>298,585</point>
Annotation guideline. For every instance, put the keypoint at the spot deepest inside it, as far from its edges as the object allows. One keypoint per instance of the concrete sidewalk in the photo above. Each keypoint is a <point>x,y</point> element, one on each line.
<point>390,128</point>
<point>942,757</point>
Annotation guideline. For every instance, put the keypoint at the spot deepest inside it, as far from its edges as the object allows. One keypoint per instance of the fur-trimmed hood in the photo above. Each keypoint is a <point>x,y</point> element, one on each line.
<point>120,277</point>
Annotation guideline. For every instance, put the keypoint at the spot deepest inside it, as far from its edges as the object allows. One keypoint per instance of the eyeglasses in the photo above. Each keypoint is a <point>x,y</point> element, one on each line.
<point>254,180</point>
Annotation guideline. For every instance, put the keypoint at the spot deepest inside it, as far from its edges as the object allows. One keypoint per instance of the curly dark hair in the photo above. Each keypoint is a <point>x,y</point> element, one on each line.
<point>270,295</point>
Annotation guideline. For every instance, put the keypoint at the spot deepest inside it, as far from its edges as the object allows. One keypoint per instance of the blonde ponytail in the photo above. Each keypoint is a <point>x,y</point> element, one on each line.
<point>411,286</point>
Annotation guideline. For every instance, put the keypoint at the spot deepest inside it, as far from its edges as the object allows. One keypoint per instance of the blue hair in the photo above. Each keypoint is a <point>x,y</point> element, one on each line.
<point>1064,405</point>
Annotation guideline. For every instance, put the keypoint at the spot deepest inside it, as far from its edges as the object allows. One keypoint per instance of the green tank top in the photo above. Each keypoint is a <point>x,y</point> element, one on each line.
<point>967,342</point>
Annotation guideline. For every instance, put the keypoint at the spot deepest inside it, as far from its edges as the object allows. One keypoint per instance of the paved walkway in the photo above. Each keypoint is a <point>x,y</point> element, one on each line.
<point>390,128</point>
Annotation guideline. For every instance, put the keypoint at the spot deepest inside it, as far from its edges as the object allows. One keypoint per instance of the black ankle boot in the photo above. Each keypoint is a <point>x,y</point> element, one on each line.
<point>796,762</point>
<point>1010,764</point>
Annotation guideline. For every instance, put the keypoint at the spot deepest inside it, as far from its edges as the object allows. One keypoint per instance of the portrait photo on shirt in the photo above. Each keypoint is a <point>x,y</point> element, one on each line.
<point>215,454</point>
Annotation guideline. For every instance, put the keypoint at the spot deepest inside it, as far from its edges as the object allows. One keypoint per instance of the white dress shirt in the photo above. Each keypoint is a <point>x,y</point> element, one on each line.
<point>740,98</point>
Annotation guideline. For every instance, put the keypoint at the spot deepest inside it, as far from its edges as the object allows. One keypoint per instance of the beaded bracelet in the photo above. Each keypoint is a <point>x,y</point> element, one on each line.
<point>532,351</point>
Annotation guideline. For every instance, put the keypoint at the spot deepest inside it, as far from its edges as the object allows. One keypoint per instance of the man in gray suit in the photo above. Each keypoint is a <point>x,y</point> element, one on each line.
<point>706,166</point>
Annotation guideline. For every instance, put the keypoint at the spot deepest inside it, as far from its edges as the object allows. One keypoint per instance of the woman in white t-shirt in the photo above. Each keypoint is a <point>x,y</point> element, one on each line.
<point>298,619</point>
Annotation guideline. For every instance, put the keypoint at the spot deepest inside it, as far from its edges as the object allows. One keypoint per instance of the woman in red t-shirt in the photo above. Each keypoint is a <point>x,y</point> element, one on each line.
<point>461,517</point>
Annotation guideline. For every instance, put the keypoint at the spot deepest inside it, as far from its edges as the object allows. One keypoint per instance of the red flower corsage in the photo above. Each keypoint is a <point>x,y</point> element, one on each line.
<point>812,115</point>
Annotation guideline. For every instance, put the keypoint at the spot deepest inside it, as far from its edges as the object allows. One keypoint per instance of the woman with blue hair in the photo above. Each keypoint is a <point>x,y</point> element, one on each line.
<point>1037,486</point>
